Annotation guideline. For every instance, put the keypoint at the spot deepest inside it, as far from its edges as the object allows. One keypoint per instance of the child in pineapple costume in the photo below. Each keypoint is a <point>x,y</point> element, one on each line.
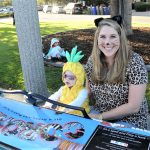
<point>73,92</point>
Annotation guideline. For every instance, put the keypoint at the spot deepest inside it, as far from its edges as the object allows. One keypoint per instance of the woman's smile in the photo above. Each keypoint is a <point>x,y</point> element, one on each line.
<point>108,41</point>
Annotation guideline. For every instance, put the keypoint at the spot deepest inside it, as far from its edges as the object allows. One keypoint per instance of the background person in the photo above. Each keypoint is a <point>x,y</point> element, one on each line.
<point>13,17</point>
<point>116,76</point>
<point>56,52</point>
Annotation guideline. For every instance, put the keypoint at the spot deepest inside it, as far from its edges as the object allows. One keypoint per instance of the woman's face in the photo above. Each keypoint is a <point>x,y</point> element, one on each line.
<point>108,41</point>
<point>69,79</point>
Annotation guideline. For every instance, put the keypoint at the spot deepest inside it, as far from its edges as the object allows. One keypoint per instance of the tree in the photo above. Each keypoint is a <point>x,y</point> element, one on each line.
<point>30,46</point>
<point>123,8</point>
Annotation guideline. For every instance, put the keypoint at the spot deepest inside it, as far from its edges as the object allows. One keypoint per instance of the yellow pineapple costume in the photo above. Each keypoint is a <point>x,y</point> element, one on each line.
<point>73,65</point>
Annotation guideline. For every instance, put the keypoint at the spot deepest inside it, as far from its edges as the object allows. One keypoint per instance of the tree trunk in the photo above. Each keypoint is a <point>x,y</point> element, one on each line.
<point>126,11</point>
<point>30,46</point>
<point>123,8</point>
<point>114,7</point>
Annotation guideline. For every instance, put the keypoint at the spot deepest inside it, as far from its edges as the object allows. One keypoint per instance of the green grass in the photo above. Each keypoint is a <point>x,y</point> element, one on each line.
<point>5,15</point>
<point>10,71</point>
<point>141,24</point>
<point>61,26</point>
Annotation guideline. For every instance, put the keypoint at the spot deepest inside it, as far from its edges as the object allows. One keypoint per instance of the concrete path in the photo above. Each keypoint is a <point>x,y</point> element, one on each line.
<point>141,17</point>
<point>146,13</point>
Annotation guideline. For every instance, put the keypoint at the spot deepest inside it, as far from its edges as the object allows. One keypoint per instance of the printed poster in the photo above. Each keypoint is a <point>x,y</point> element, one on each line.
<point>25,126</point>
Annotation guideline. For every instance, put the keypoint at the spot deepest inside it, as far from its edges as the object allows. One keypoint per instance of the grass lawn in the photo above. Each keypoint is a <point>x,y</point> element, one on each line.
<point>11,74</point>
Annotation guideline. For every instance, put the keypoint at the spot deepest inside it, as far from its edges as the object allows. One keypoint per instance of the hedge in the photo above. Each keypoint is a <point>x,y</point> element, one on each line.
<point>141,6</point>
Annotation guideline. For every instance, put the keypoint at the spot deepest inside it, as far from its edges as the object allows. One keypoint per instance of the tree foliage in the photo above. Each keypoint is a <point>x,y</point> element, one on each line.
<point>97,2</point>
<point>60,2</point>
<point>52,2</point>
<point>88,2</point>
<point>5,3</point>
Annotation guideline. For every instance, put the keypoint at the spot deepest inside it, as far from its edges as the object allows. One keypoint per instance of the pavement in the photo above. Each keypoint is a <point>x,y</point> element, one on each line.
<point>146,13</point>
<point>141,17</point>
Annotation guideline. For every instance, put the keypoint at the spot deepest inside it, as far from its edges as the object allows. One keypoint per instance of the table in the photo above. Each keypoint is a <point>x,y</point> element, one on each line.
<point>25,126</point>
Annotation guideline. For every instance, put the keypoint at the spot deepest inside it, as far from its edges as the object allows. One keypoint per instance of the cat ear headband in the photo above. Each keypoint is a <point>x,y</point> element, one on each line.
<point>118,19</point>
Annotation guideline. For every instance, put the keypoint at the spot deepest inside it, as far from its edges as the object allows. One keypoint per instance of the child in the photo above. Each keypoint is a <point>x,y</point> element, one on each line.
<point>73,92</point>
<point>55,51</point>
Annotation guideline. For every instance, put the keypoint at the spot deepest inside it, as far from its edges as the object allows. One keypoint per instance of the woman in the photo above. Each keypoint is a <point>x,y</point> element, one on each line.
<point>116,76</point>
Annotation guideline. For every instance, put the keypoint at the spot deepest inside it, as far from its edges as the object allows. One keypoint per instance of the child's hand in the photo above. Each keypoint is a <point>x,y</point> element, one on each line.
<point>66,110</point>
<point>47,105</point>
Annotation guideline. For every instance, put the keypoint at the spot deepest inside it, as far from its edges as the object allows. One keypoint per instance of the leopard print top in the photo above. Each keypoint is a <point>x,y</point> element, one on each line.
<point>108,96</point>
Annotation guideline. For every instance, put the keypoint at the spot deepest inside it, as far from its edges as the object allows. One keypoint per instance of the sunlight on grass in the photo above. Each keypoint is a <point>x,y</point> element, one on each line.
<point>52,27</point>
<point>10,72</point>
<point>51,74</point>
<point>136,24</point>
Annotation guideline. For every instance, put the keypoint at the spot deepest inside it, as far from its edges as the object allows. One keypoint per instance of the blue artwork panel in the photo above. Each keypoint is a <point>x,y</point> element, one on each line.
<point>26,126</point>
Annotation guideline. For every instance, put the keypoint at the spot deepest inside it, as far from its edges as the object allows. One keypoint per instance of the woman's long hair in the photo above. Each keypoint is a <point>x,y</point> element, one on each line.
<point>116,74</point>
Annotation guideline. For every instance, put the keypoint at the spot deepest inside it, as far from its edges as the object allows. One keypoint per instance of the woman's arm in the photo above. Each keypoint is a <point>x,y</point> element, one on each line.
<point>135,98</point>
<point>88,89</point>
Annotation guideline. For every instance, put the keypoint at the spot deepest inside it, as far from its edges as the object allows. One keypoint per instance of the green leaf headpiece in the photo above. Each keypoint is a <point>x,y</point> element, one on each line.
<point>74,56</point>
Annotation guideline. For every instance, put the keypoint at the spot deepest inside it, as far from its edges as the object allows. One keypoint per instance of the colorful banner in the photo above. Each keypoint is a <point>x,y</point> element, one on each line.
<point>25,126</point>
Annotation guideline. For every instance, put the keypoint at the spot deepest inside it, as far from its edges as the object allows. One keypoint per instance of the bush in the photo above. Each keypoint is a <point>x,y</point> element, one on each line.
<point>142,6</point>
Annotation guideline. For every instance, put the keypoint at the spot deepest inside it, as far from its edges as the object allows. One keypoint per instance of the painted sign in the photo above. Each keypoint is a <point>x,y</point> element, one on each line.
<point>26,126</point>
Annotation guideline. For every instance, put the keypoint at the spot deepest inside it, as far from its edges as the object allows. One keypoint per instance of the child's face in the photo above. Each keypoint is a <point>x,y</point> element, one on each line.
<point>69,79</point>
<point>56,44</point>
